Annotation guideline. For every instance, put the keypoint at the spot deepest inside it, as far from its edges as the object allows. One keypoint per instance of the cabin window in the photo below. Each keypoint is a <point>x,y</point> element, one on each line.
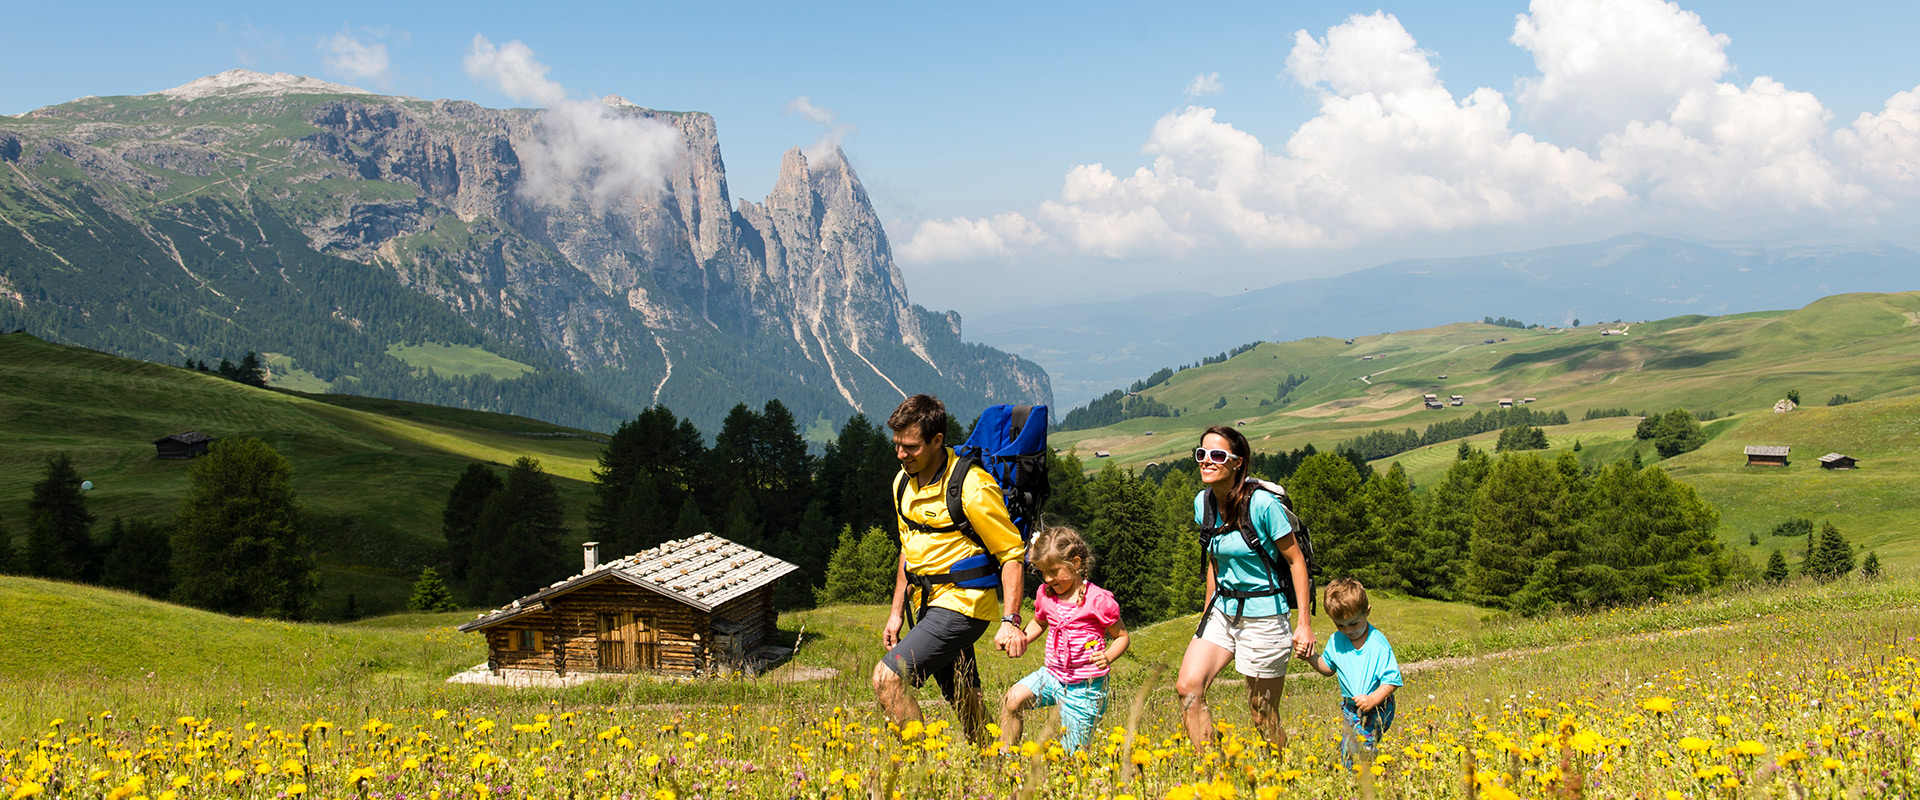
<point>529,640</point>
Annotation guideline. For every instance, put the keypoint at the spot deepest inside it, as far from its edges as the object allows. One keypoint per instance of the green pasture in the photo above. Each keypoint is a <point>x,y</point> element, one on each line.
<point>462,360</point>
<point>386,463</point>
<point>68,651</point>
<point>1865,346</point>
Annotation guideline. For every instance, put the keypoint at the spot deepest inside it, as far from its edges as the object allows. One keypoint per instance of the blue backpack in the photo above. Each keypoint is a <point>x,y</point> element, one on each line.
<point>1010,443</point>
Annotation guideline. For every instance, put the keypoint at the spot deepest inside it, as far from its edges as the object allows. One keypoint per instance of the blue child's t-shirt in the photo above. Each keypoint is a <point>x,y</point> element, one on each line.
<point>1240,569</point>
<point>1362,669</point>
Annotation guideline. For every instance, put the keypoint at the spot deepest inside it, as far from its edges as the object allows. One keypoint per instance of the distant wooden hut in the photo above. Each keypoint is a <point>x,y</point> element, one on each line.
<point>1506,402</point>
<point>684,607</point>
<point>1767,455</point>
<point>1837,461</point>
<point>1433,401</point>
<point>1456,400</point>
<point>1102,454</point>
<point>1526,399</point>
<point>182,445</point>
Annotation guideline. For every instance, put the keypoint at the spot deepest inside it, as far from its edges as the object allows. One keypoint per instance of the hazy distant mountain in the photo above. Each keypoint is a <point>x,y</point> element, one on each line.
<point>1089,349</point>
<point>594,244</point>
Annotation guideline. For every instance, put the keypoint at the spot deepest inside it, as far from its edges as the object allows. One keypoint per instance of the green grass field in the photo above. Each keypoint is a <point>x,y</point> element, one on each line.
<point>388,463</point>
<point>1866,346</point>
<point>1636,702</point>
<point>461,360</point>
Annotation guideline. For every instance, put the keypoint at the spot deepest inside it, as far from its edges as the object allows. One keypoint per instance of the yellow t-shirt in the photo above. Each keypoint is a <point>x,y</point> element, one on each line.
<point>935,553</point>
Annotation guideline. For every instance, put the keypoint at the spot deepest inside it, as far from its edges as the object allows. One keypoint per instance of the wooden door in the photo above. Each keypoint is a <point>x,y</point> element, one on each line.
<point>627,641</point>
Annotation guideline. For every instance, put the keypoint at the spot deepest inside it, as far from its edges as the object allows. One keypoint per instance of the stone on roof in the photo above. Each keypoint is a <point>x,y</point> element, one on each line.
<point>189,437</point>
<point>702,571</point>
<point>1767,449</point>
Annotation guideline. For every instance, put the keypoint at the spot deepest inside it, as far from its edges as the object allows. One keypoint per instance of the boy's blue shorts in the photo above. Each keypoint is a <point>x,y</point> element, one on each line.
<point>1081,704</point>
<point>1369,726</point>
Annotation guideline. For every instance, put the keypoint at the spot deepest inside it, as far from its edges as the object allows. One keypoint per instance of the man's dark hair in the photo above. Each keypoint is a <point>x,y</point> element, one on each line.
<point>921,412</point>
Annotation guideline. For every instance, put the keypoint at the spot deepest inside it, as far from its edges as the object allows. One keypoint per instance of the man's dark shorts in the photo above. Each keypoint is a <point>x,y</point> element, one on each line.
<point>940,646</point>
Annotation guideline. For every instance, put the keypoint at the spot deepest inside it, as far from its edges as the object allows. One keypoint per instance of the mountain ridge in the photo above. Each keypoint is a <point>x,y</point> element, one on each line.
<point>1091,348</point>
<point>547,237</point>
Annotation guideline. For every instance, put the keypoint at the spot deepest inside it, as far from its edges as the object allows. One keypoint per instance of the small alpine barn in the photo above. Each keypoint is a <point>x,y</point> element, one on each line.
<point>687,607</point>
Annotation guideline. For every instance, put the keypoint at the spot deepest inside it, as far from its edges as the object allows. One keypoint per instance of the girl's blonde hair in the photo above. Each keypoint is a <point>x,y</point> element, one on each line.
<point>1059,544</point>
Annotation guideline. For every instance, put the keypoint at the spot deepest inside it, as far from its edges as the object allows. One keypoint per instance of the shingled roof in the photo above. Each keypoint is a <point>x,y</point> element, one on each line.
<point>189,437</point>
<point>703,571</point>
<point>1767,450</point>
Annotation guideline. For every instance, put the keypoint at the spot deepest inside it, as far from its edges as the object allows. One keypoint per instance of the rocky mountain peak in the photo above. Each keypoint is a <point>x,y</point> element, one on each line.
<point>237,82</point>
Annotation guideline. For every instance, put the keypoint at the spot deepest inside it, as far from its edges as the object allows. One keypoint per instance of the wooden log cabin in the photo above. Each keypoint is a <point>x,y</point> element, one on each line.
<point>190,444</point>
<point>683,608</point>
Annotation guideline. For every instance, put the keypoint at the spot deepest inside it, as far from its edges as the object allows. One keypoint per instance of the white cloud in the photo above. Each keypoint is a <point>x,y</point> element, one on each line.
<point>348,55</point>
<point>1640,128</point>
<point>827,147</point>
<point>1885,147</point>
<point>960,239</point>
<point>1203,85</point>
<point>580,150</point>
<point>1605,64</point>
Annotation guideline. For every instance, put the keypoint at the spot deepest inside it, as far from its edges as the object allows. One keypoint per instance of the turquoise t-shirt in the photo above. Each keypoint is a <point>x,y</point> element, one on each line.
<point>1365,668</point>
<point>1240,569</point>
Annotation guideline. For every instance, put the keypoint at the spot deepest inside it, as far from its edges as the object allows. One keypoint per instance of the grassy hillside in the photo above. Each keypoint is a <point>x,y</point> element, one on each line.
<point>342,701</point>
<point>1866,346</point>
<point>388,464</point>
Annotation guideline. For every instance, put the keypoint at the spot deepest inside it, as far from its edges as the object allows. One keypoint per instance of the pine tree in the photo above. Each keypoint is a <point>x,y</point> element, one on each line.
<point>1870,568</point>
<point>1776,567</point>
<point>862,568</point>
<point>250,372</point>
<point>1393,531</point>
<point>690,522</point>
<point>59,527</point>
<point>350,610</point>
<point>462,514</point>
<point>139,558</point>
<point>430,594</point>
<point>238,545</point>
<point>1179,550</point>
<point>1069,504</point>
<point>743,525</point>
<point>1446,525</point>
<point>1677,432</point>
<point>1125,522</point>
<point>1831,558</point>
<point>1327,492</point>
<point>517,545</point>
<point>1514,516</point>
<point>8,557</point>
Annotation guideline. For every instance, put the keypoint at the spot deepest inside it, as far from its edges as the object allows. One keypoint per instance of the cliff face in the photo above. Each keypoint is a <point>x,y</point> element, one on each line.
<point>604,237</point>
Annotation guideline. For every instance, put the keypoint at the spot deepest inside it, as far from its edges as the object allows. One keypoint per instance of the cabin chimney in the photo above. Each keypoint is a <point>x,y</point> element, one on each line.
<point>590,552</point>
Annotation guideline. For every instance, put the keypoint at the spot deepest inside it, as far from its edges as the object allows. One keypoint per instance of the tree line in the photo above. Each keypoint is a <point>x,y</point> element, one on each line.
<point>1515,531</point>
<point>237,545</point>
<point>1381,444</point>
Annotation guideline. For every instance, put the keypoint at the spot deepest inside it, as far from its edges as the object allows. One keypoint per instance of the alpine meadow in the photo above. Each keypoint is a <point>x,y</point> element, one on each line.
<point>1484,400</point>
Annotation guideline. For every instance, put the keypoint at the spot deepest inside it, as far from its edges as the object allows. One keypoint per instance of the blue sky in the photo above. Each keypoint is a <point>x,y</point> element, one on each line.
<point>969,124</point>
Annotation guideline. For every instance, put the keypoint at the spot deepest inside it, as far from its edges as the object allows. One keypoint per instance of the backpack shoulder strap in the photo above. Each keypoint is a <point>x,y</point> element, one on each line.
<point>957,501</point>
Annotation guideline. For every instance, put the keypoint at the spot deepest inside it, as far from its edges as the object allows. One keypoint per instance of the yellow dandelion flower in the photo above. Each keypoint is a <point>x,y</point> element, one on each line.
<point>1142,757</point>
<point>1694,744</point>
<point>98,776</point>
<point>663,794</point>
<point>233,776</point>
<point>1832,764</point>
<point>1791,756</point>
<point>296,790</point>
<point>1749,747</point>
<point>911,730</point>
<point>1657,705</point>
<point>26,790</point>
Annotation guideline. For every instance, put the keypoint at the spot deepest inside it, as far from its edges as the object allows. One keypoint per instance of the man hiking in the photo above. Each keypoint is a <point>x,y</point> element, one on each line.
<point>952,559</point>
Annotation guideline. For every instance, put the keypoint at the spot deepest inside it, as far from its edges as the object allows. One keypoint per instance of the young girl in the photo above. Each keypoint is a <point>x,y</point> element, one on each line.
<point>1084,636</point>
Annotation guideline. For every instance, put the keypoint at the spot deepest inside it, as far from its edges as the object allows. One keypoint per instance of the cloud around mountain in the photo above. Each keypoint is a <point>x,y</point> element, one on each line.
<point>1631,121</point>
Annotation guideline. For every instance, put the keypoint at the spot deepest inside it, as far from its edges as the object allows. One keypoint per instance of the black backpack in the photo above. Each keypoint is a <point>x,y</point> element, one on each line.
<point>1280,580</point>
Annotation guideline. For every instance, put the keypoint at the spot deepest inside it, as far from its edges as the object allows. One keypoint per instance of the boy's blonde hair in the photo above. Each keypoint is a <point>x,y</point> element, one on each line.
<point>1059,544</point>
<point>1346,598</point>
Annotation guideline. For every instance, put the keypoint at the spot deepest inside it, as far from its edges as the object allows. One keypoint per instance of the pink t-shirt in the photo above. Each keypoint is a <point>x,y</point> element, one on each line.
<point>1075,631</point>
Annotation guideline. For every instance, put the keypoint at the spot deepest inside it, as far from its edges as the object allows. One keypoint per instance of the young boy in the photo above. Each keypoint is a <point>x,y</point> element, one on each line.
<point>1366,666</point>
